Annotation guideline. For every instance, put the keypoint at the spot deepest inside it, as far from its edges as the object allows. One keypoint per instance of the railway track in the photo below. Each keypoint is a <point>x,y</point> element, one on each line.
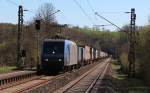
<point>103,83</point>
<point>86,82</point>
<point>47,84</point>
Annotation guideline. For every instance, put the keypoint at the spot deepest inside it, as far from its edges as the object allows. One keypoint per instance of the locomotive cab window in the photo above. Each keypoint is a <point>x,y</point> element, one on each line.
<point>53,48</point>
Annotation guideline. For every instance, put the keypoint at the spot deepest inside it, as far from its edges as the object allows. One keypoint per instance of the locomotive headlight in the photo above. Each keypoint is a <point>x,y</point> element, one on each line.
<point>46,59</point>
<point>59,60</point>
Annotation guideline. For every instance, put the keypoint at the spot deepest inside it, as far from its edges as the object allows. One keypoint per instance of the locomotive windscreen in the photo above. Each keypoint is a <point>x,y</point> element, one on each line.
<point>53,48</point>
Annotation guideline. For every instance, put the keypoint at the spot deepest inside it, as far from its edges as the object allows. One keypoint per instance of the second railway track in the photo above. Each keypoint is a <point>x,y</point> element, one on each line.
<point>86,82</point>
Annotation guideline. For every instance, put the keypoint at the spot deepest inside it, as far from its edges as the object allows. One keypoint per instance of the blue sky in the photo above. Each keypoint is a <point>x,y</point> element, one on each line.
<point>72,14</point>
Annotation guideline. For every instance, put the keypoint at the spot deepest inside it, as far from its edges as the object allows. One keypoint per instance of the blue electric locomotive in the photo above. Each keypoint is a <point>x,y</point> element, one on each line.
<point>57,55</point>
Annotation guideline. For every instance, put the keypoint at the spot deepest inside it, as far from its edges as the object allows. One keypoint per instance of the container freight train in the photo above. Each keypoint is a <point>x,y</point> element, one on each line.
<point>60,55</point>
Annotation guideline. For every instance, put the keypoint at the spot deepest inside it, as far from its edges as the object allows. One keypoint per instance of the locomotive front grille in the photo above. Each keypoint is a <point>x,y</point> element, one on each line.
<point>53,64</point>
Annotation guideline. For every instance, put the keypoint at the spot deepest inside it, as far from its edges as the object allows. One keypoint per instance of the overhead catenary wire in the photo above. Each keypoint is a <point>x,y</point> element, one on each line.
<point>112,12</point>
<point>96,13</point>
<point>90,5</point>
<point>92,9</point>
<point>12,2</point>
<point>108,21</point>
<point>64,16</point>
<point>84,12</point>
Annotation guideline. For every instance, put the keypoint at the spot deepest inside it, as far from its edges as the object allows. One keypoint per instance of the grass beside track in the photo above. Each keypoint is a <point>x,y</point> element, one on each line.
<point>125,84</point>
<point>6,69</point>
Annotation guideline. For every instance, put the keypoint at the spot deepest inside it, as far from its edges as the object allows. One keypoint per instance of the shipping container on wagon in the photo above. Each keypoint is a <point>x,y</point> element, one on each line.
<point>99,53</point>
<point>102,54</point>
<point>91,53</point>
<point>106,55</point>
<point>81,54</point>
<point>96,54</point>
<point>87,53</point>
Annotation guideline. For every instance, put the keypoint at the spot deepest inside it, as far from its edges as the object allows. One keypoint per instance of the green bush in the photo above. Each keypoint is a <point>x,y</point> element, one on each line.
<point>124,61</point>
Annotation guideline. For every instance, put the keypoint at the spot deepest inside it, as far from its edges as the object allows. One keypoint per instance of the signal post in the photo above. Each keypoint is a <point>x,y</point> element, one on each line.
<point>132,42</point>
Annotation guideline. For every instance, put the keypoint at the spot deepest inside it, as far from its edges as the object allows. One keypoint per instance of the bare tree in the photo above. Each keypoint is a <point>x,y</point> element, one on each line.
<point>45,13</point>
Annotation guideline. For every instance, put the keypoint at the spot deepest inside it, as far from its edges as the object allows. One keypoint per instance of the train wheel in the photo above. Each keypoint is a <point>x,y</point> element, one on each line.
<point>39,70</point>
<point>70,68</point>
<point>64,69</point>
